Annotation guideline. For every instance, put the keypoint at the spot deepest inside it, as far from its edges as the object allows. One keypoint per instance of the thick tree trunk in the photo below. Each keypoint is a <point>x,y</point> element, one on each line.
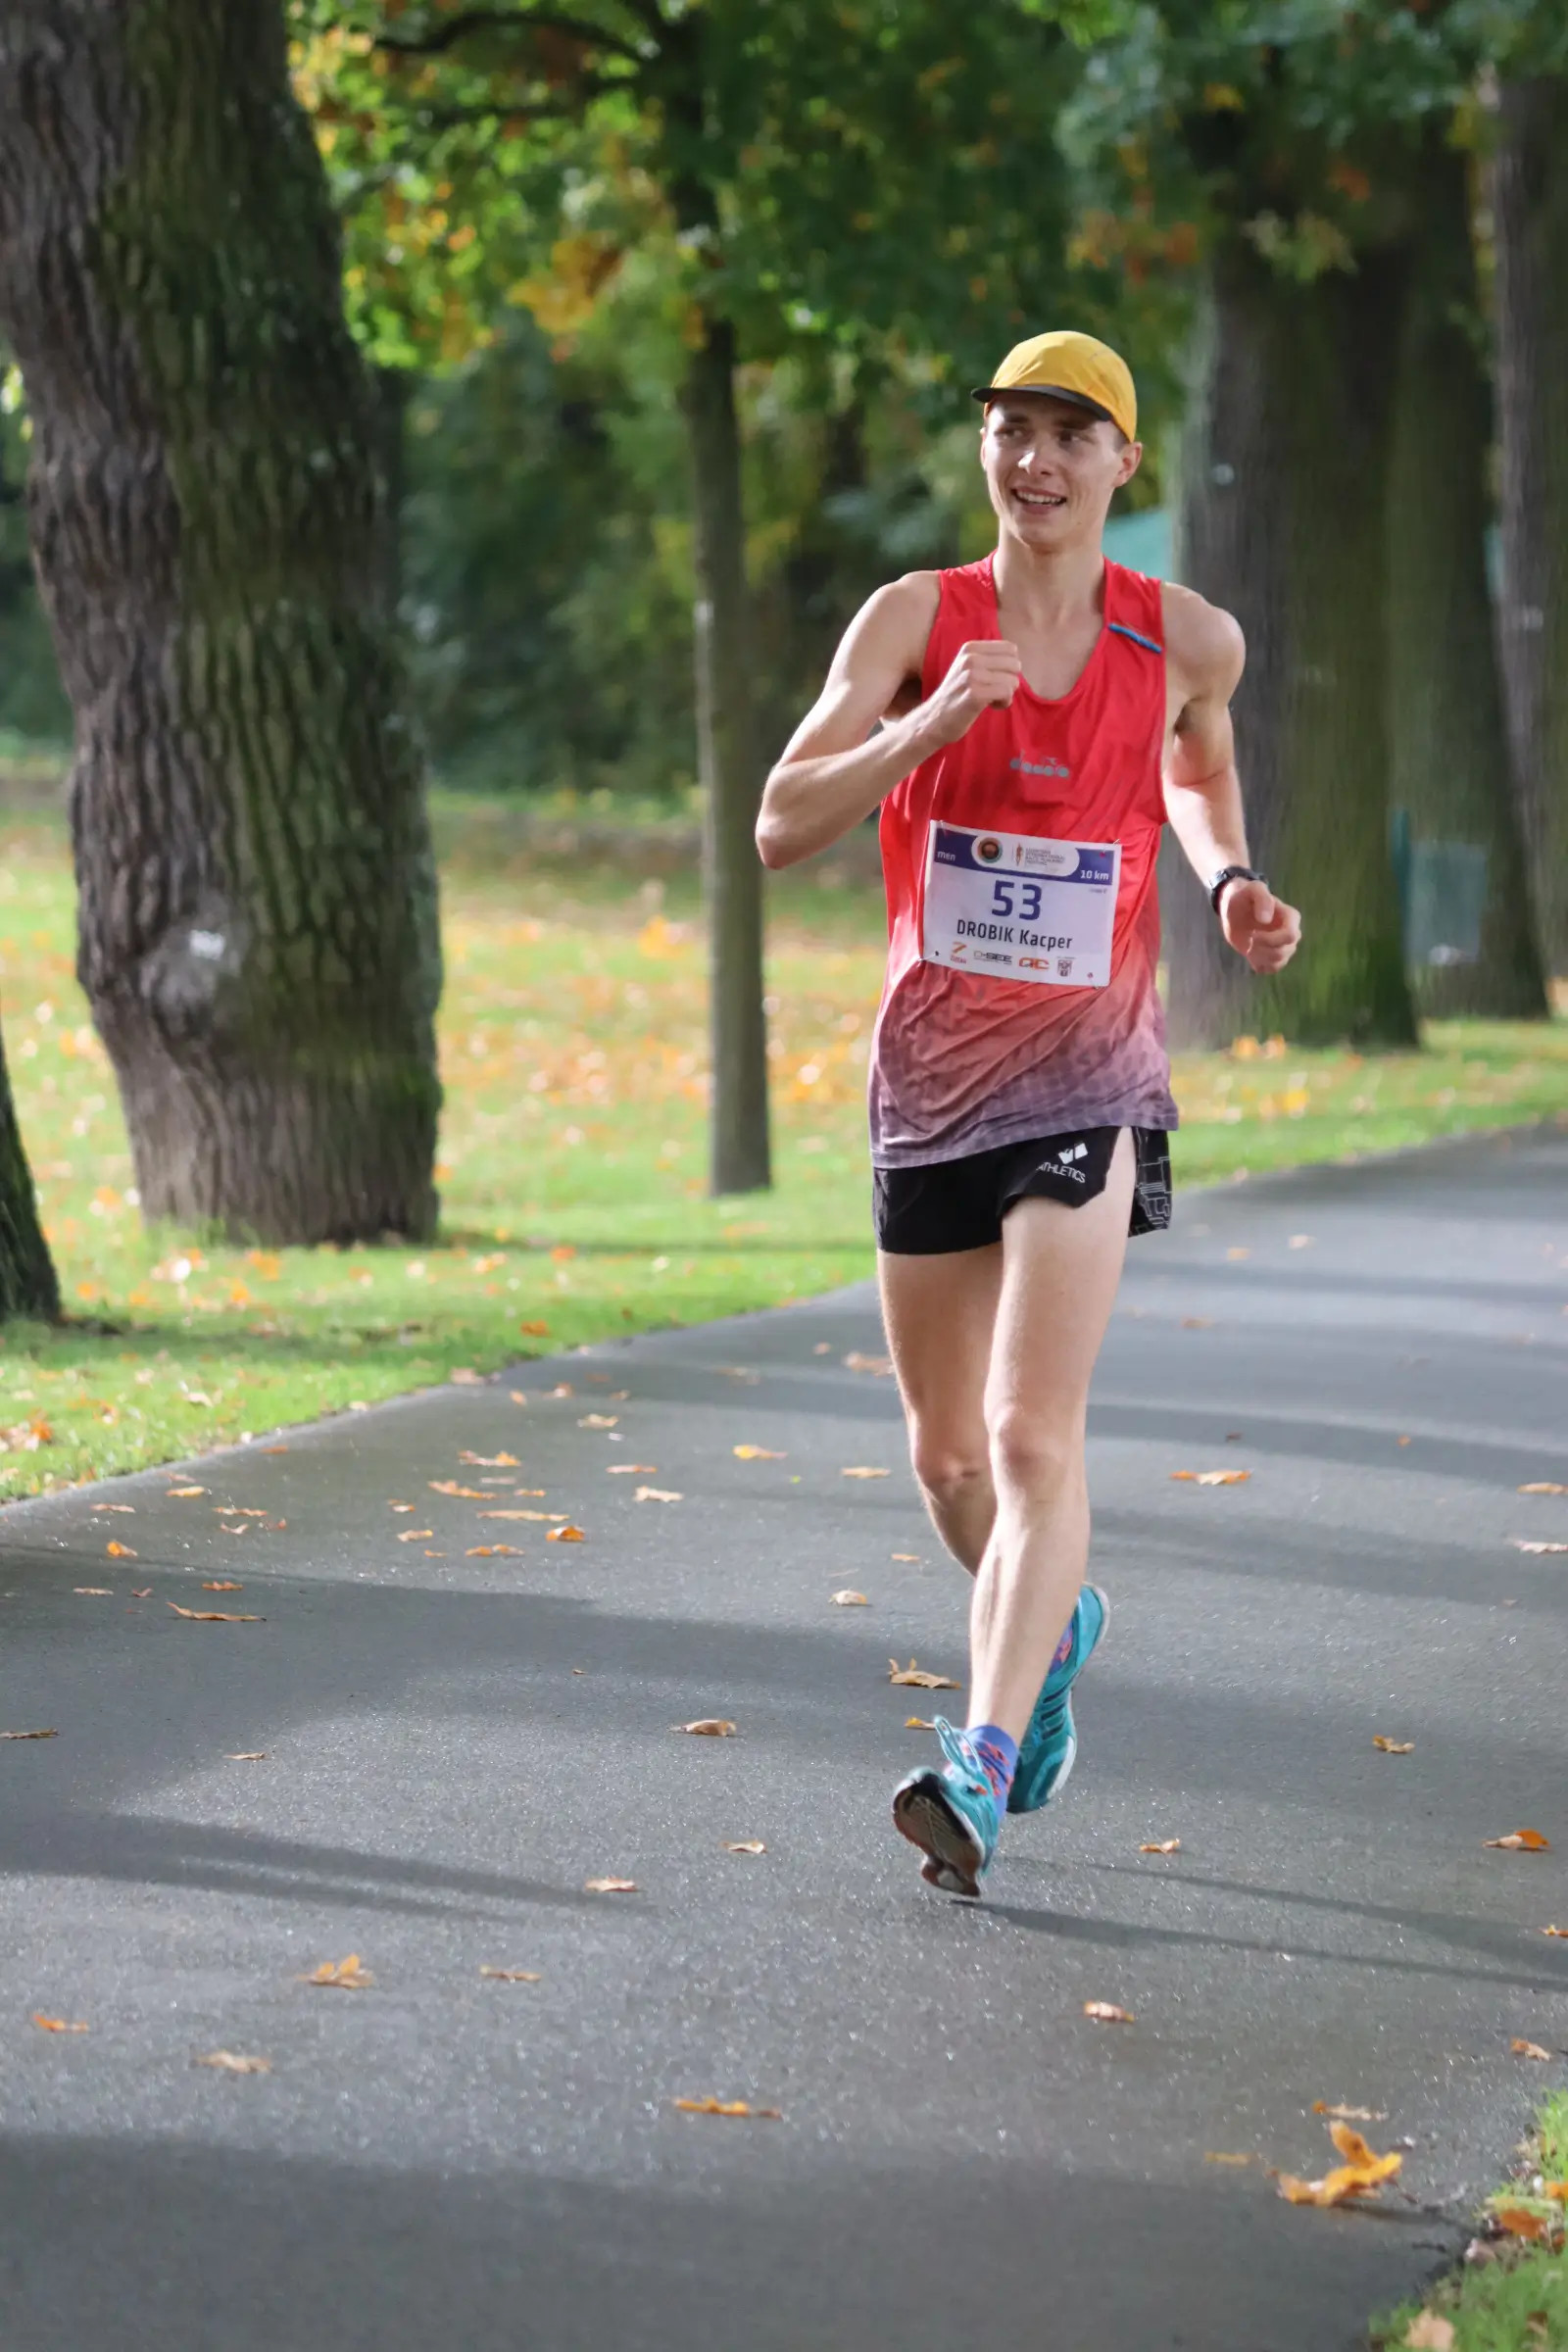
<point>257,932</point>
<point>728,768</point>
<point>1448,755</point>
<point>27,1285</point>
<point>1282,523</point>
<point>1529,192</point>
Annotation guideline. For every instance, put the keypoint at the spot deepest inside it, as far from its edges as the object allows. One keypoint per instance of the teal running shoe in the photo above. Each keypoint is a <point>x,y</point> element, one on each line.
<point>1049,1746</point>
<point>950,1815</point>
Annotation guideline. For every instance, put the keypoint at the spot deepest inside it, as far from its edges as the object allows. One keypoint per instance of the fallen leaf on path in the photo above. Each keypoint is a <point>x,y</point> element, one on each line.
<point>562,1388</point>
<point>1360,2172</point>
<point>239,1510</point>
<point>597,1420</point>
<point>141,1591</point>
<point>491,1461</point>
<point>466,1377</point>
<point>708,1727</point>
<point>1393,1748</point>
<point>56,1734</point>
<point>823,1347</point>
<point>492,1551</point>
<point>741,2107</point>
<point>55,2025</point>
<point>513,1975</point>
<point>1351,2115</point>
<point>213,1616</point>
<point>1107,2013</point>
<point>1198,1322</point>
<point>1166,1845</point>
<point>450,1486</point>
<point>1299,1240</point>
<point>220,1584</point>
<point>50,1735</point>
<point>656,1494</point>
<point>517,1396</point>
<point>861,1470</point>
<point>347,1974</point>
<point>1544,1486</point>
<point>246,1755</point>
<point>186,1491</point>
<point>757,1454</point>
<point>913,1557</point>
<point>631,1470</point>
<point>93,1591</point>
<point>565,1535</point>
<point>880,1365</point>
<point>1429,2331</point>
<point>849,1599</point>
<point>1213,1478</point>
<point>917,1677</point>
<point>610,1886</point>
<point>1238,1254</point>
<point>1521,1842</point>
<point>1518,2220</point>
<point>1216,2156</point>
<point>745,1845</point>
<point>518,1513</point>
<point>127,1509</point>
<point>415,1534</point>
<point>118,1551</point>
<point>229,2062</point>
<point>1523,1544</point>
<point>917,1722</point>
<point>1528,2050</point>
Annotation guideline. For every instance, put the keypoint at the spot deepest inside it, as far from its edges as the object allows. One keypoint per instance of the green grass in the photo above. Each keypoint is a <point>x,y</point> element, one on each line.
<point>572,1155</point>
<point>1519,2301</point>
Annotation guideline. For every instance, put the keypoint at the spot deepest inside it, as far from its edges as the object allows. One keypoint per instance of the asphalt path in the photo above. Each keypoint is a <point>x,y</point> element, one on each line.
<point>454,1743</point>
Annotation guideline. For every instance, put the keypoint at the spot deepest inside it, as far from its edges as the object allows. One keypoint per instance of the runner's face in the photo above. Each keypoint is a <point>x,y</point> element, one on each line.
<point>1051,468</point>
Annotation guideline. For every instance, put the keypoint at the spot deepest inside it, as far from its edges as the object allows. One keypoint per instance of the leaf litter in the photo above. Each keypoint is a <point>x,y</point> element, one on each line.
<point>731,2107</point>
<point>119,1552</point>
<point>631,1470</point>
<point>56,1734</point>
<point>1393,1748</point>
<point>1357,2176</point>
<point>348,1976</point>
<point>1213,1478</point>
<point>1107,2013</point>
<point>745,1845</point>
<point>229,2062</point>
<point>1351,2115</point>
<point>757,1454</point>
<point>513,1975</point>
<point>1166,1845</point>
<point>1528,2050</point>
<point>849,1599</point>
<point>1544,1486</point>
<point>916,1678</point>
<point>55,2024</point>
<point>213,1616</point>
<point>708,1727</point>
<point>864,1470</point>
<point>565,1535</point>
<point>656,1494</point>
<point>1521,1842</point>
<point>611,1886</point>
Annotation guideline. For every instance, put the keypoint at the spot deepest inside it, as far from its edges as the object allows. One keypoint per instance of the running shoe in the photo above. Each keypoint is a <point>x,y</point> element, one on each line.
<point>1049,1746</point>
<point>950,1815</point>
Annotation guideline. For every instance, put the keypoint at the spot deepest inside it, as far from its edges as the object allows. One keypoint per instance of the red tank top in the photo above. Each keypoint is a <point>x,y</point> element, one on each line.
<point>962,1062</point>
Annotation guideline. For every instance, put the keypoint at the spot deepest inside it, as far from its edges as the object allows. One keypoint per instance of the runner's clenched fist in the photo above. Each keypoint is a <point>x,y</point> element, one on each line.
<point>983,675</point>
<point>1259,925</point>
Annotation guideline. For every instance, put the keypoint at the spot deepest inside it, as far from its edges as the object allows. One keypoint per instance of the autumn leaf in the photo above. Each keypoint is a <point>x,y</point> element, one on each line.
<point>1351,2115</point>
<point>347,1974</point>
<point>513,1975</point>
<point>1521,1842</point>
<point>736,2107</point>
<point>1393,1748</point>
<point>1519,2220</point>
<point>1544,1486</point>
<point>913,1557</point>
<point>597,1420</point>
<point>491,1461</point>
<point>610,1886</point>
<point>861,1470</point>
<point>1528,2050</point>
<point>229,2062</point>
<point>128,1510</point>
<point>656,1494</point>
<point>757,1454</point>
<point>246,1755</point>
<point>184,1490</point>
<point>565,1535</point>
<point>1107,2013</point>
<point>517,1512</point>
<point>56,1734</point>
<point>1198,1322</point>
<point>1429,2331</point>
<point>849,1599</point>
<point>119,1552</point>
<point>1166,1845</point>
<point>632,1470</point>
<point>55,2025</point>
<point>450,1486</point>
<point>1360,2172</point>
<point>213,1616</point>
<point>1524,1543</point>
<point>1216,2156</point>
<point>416,1535</point>
<point>50,1735</point>
<point>917,1676</point>
<point>745,1845</point>
<point>93,1591</point>
<point>708,1727</point>
<point>141,1591</point>
<point>1213,1478</point>
<point>880,1365</point>
<point>917,1722</point>
<point>492,1551</point>
<point>220,1584</point>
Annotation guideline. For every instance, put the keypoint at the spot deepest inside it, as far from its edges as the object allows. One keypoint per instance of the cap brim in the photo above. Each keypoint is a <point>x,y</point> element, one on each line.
<point>1079,400</point>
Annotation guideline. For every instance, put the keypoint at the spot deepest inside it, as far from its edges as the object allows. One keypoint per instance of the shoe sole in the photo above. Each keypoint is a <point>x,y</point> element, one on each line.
<point>954,1861</point>
<point>1066,1773</point>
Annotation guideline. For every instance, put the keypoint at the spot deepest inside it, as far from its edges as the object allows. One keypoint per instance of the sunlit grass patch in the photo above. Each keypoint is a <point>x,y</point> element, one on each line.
<point>1517,2301</point>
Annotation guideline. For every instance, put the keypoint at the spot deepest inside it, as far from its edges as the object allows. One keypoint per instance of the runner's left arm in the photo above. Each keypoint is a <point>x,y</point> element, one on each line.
<point>1205,652</point>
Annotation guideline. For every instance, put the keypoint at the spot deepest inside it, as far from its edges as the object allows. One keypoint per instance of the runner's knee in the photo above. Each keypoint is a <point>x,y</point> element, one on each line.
<point>1032,1453</point>
<point>946,1470</point>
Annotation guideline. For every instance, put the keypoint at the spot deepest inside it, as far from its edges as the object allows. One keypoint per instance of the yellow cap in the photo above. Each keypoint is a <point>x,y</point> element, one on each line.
<point>1074,368</point>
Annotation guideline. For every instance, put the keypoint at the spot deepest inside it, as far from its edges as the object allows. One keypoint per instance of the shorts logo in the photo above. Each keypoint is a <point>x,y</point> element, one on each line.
<point>988,850</point>
<point>1074,1151</point>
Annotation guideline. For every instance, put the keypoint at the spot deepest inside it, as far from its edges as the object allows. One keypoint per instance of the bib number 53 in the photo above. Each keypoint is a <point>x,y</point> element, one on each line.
<point>1027,908</point>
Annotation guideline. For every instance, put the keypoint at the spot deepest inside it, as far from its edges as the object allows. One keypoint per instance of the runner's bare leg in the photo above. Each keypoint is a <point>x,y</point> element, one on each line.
<point>940,1314</point>
<point>1060,1268</point>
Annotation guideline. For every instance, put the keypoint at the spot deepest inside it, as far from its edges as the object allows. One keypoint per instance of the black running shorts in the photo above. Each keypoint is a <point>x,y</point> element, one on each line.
<point>959,1203</point>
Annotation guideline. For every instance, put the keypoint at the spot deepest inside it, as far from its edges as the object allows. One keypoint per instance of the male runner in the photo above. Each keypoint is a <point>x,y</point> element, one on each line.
<point>1043,712</point>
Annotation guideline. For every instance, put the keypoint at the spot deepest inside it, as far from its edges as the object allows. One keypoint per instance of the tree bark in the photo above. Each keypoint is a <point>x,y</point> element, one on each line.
<point>1281,523</point>
<point>27,1284</point>
<point>1448,756</point>
<point>1529,195</point>
<point>258,923</point>
<point>728,768</point>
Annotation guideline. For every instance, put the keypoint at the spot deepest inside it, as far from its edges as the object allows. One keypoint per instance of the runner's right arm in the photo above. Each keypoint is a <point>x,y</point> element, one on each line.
<point>838,764</point>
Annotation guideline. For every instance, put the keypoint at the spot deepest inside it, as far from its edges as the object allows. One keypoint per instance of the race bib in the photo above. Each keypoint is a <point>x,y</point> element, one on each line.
<point>1015,906</point>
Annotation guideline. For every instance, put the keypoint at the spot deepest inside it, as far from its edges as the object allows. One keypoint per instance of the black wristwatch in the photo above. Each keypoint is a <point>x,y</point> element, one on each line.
<point>1232,873</point>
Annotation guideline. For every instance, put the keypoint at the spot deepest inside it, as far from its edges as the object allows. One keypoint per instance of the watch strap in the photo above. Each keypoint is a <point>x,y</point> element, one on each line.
<point>1231,874</point>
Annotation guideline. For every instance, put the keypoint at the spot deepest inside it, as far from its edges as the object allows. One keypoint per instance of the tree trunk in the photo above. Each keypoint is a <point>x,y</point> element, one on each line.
<point>27,1285</point>
<point>1449,754</point>
<point>1282,523</point>
<point>258,923</point>
<point>1529,192</point>
<point>728,768</point>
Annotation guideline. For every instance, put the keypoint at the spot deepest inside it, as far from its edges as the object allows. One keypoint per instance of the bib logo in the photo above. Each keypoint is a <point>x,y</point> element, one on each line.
<point>1040,767</point>
<point>988,850</point>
